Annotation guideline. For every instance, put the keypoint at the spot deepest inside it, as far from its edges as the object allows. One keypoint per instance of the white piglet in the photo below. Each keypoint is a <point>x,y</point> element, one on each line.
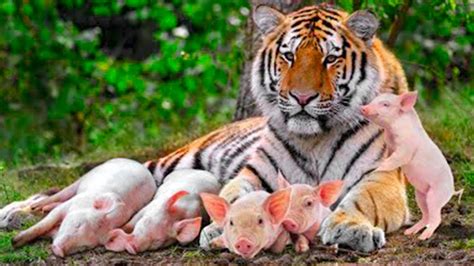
<point>83,213</point>
<point>173,215</point>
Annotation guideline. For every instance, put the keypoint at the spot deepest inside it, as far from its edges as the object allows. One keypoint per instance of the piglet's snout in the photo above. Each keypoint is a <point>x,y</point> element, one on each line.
<point>57,250</point>
<point>244,246</point>
<point>365,110</point>
<point>290,226</point>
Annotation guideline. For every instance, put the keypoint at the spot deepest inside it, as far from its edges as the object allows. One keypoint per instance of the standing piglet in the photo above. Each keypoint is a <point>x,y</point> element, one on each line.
<point>251,223</point>
<point>84,212</point>
<point>309,206</point>
<point>174,214</point>
<point>411,148</point>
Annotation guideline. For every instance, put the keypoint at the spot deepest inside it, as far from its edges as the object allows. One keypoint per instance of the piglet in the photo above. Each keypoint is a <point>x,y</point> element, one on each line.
<point>411,148</point>
<point>83,213</point>
<point>251,223</point>
<point>173,215</point>
<point>309,206</point>
<point>13,215</point>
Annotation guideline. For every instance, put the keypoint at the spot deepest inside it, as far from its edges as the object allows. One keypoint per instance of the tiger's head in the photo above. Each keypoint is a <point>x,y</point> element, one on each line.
<point>316,68</point>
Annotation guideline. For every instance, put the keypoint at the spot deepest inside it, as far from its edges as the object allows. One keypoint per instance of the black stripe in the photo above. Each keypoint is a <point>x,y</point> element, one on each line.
<point>265,185</point>
<point>239,167</point>
<point>363,64</point>
<point>345,43</point>
<point>269,64</point>
<point>173,165</point>
<point>238,135</point>
<point>300,160</point>
<point>269,158</point>
<point>328,25</point>
<point>262,68</point>
<point>151,167</point>
<point>344,137</point>
<point>359,153</point>
<point>227,161</point>
<point>323,30</point>
<point>353,65</point>
<point>330,12</point>
<point>197,160</point>
<point>335,204</point>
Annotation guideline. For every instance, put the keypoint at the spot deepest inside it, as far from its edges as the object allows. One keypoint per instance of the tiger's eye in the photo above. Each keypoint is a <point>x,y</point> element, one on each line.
<point>289,56</point>
<point>330,59</point>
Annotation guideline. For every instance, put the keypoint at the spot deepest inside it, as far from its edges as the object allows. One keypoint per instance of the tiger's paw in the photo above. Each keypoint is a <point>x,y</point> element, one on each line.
<point>358,236</point>
<point>209,233</point>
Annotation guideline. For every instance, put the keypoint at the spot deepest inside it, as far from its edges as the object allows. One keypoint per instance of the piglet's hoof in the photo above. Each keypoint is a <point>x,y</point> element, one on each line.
<point>208,233</point>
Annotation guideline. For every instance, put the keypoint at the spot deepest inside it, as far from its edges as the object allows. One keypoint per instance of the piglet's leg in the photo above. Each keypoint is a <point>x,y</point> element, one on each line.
<point>280,242</point>
<point>302,244</point>
<point>396,160</point>
<point>435,200</point>
<point>59,197</point>
<point>39,229</point>
<point>421,200</point>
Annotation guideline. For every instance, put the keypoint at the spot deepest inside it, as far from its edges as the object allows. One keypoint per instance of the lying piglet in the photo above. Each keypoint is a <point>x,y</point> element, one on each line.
<point>173,215</point>
<point>309,206</point>
<point>251,223</point>
<point>16,213</point>
<point>412,149</point>
<point>85,212</point>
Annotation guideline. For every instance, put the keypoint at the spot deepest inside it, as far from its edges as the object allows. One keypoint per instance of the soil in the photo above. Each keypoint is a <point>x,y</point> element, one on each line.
<point>452,244</point>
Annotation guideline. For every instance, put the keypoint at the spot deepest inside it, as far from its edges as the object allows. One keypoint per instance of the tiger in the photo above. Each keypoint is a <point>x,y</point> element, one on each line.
<point>317,66</point>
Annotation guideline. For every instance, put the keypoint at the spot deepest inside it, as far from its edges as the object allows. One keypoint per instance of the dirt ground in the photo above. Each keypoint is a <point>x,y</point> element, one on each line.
<point>452,244</point>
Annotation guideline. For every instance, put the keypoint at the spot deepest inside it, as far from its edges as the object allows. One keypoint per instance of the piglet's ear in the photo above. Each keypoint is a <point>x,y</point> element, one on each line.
<point>282,182</point>
<point>118,241</point>
<point>187,230</point>
<point>408,100</point>
<point>171,204</point>
<point>107,204</point>
<point>216,207</point>
<point>276,205</point>
<point>328,192</point>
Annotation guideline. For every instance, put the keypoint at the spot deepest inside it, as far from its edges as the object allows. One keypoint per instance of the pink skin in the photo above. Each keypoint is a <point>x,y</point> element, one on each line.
<point>154,231</point>
<point>251,223</point>
<point>309,206</point>
<point>105,199</point>
<point>412,149</point>
<point>173,215</point>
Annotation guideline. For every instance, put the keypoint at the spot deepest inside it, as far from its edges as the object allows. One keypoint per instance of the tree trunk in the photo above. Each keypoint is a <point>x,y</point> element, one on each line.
<point>246,106</point>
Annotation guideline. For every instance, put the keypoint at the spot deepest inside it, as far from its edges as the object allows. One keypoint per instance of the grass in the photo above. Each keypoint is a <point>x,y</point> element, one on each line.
<point>449,121</point>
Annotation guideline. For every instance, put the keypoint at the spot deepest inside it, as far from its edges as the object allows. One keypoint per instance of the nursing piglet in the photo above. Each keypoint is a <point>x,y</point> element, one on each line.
<point>411,148</point>
<point>251,223</point>
<point>309,206</point>
<point>173,215</point>
<point>83,213</point>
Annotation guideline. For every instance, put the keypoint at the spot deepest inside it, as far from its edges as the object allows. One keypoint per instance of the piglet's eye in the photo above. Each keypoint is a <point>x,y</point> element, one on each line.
<point>260,221</point>
<point>309,203</point>
<point>231,223</point>
<point>386,104</point>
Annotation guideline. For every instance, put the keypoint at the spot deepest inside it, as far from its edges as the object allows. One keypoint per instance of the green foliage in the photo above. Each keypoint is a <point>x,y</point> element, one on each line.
<point>70,86</point>
<point>60,91</point>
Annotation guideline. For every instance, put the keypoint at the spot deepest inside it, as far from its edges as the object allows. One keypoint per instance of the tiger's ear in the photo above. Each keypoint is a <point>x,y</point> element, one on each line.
<point>267,18</point>
<point>363,24</point>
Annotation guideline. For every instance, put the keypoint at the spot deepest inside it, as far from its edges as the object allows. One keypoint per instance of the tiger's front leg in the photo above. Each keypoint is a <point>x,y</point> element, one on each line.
<point>376,206</point>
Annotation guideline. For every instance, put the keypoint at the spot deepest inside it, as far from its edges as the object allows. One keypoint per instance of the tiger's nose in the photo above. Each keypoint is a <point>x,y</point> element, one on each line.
<point>303,98</point>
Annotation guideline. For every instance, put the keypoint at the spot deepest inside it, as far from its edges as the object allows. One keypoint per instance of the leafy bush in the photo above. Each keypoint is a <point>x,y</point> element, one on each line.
<point>62,90</point>
<point>78,75</point>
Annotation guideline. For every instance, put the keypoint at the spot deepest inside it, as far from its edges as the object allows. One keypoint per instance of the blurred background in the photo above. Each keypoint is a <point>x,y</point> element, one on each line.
<point>80,77</point>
